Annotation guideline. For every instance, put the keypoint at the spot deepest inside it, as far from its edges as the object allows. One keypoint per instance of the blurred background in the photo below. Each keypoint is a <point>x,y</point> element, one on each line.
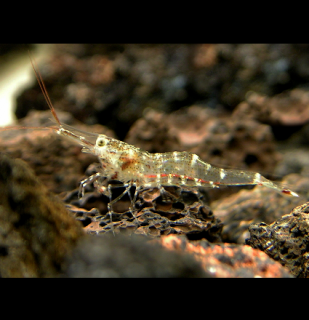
<point>128,78</point>
<point>234,105</point>
<point>16,75</point>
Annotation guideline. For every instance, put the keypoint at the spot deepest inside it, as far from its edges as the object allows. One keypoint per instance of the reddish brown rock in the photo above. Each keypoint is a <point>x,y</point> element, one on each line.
<point>58,162</point>
<point>113,84</point>
<point>227,260</point>
<point>290,108</point>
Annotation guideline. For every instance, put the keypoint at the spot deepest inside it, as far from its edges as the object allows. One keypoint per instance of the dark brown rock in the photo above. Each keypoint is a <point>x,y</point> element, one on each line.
<point>36,232</point>
<point>181,212</point>
<point>130,257</point>
<point>294,161</point>
<point>285,240</point>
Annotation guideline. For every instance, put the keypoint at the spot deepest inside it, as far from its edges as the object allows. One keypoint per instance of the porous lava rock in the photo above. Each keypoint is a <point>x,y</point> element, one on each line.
<point>285,240</point>
<point>238,211</point>
<point>180,212</point>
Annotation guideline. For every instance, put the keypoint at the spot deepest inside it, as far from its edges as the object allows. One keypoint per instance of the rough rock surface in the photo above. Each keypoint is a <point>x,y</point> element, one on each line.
<point>285,240</point>
<point>227,260</point>
<point>58,162</point>
<point>240,210</point>
<point>36,231</point>
<point>181,212</point>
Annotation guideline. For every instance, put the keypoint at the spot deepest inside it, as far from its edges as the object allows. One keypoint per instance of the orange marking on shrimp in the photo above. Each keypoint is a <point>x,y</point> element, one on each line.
<point>286,191</point>
<point>115,176</point>
<point>203,181</point>
<point>127,162</point>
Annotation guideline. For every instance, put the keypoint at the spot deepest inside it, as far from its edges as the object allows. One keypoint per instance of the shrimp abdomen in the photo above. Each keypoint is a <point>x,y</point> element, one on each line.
<point>187,169</point>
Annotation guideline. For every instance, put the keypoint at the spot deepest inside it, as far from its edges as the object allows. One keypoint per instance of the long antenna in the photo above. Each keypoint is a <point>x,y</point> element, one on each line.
<point>43,88</point>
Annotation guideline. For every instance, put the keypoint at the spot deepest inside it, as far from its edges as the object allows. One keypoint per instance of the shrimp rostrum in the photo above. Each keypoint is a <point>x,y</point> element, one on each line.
<point>141,169</point>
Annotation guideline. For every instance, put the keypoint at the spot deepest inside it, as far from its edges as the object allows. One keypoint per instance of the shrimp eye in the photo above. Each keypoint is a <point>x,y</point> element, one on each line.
<point>100,143</point>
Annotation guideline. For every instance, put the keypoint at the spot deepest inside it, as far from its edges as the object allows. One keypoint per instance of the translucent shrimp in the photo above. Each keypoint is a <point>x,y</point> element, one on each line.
<point>135,167</point>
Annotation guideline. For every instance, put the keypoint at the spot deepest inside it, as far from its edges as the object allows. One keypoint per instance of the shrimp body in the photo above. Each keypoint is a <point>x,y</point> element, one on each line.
<point>135,167</point>
<point>125,162</point>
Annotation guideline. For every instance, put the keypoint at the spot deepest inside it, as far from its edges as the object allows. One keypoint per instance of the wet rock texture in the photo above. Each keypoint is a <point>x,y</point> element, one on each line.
<point>239,106</point>
<point>183,213</point>
<point>37,233</point>
<point>285,240</point>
